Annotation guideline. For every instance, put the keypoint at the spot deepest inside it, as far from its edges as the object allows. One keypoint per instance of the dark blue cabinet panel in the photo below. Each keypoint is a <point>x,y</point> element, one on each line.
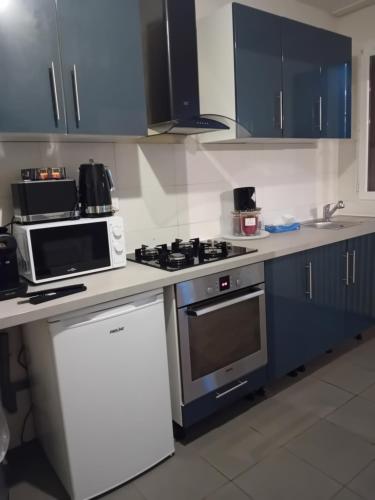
<point>317,299</point>
<point>31,99</point>
<point>288,312</point>
<point>102,66</point>
<point>258,70</point>
<point>302,48</point>
<point>361,277</point>
<point>336,85</point>
<point>328,319</point>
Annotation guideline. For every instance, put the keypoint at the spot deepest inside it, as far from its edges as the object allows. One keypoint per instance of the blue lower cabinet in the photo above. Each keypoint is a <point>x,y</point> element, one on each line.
<point>361,276</point>
<point>317,299</point>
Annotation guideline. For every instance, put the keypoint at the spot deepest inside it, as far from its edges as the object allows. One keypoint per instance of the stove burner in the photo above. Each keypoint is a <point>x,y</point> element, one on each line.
<point>182,254</point>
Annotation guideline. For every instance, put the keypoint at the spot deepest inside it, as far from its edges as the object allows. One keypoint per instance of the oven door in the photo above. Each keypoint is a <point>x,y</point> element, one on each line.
<point>69,250</point>
<point>221,340</point>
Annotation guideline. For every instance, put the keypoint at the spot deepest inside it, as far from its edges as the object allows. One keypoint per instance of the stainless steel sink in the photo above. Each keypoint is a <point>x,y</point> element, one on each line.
<point>330,224</point>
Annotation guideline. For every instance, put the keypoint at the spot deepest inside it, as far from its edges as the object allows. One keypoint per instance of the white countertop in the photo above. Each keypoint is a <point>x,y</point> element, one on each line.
<point>136,278</point>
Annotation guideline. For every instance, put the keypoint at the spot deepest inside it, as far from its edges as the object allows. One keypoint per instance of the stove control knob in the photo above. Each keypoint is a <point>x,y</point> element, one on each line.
<point>210,290</point>
<point>116,231</point>
<point>238,283</point>
<point>119,249</point>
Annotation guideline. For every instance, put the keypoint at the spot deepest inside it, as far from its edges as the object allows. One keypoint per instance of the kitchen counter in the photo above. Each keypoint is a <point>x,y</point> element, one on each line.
<point>136,278</point>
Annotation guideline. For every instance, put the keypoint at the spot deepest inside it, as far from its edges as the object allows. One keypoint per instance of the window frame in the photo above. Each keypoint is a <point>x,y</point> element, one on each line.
<point>364,122</point>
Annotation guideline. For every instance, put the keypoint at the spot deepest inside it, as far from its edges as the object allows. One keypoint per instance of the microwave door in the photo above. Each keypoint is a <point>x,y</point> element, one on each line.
<point>221,340</point>
<point>69,249</point>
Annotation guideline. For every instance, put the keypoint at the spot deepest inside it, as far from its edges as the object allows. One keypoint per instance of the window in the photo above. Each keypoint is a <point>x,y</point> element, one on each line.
<point>371,132</point>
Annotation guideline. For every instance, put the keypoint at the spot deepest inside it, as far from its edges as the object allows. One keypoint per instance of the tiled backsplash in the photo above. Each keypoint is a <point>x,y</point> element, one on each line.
<point>165,191</point>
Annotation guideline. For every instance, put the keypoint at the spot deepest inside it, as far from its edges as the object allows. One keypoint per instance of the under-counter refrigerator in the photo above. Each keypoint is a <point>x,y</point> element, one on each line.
<point>100,391</point>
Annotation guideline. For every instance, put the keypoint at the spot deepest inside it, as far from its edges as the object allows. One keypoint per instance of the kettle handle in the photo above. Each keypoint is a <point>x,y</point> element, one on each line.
<point>110,179</point>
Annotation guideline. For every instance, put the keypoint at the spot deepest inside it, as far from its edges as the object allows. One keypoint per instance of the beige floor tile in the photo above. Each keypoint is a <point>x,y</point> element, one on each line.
<point>347,376</point>
<point>346,494</point>
<point>314,396</point>
<point>364,483</point>
<point>333,450</point>
<point>369,394</point>
<point>228,492</point>
<point>357,416</point>
<point>185,476</point>
<point>234,447</point>
<point>279,420</point>
<point>282,476</point>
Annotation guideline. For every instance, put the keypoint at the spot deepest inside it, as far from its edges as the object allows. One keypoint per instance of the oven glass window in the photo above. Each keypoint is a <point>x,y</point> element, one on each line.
<point>65,250</point>
<point>222,337</point>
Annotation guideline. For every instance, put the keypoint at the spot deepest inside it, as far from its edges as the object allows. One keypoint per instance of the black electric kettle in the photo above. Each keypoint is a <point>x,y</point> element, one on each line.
<point>95,187</point>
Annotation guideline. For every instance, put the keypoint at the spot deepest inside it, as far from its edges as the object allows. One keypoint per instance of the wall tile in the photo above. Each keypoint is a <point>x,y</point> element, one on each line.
<point>72,155</point>
<point>13,157</point>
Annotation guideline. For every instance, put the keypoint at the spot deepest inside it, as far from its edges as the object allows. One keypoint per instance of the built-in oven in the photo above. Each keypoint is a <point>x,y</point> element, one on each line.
<point>221,330</point>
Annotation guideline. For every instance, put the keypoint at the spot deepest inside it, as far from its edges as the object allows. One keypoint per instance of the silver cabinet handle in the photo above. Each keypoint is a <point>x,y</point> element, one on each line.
<point>220,305</point>
<point>76,94</point>
<point>222,394</point>
<point>346,279</point>
<point>309,292</point>
<point>281,110</point>
<point>320,113</point>
<point>55,96</point>
<point>354,257</point>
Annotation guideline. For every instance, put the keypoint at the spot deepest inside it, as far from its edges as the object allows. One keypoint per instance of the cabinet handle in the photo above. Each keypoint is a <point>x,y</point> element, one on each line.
<point>320,113</point>
<point>76,94</point>
<point>281,110</point>
<point>309,292</point>
<point>354,257</point>
<point>346,279</point>
<point>54,89</point>
<point>240,384</point>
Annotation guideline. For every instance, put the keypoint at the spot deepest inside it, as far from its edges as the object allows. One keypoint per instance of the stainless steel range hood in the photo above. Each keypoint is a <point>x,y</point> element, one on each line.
<point>171,68</point>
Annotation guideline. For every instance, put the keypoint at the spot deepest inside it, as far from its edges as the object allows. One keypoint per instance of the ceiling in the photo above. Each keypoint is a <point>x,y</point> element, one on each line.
<point>339,7</point>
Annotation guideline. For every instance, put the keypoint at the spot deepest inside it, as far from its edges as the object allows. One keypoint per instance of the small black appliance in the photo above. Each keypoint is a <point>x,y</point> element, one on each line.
<point>10,284</point>
<point>44,200</point>
<point>244,199</point>
<point>95,187</point>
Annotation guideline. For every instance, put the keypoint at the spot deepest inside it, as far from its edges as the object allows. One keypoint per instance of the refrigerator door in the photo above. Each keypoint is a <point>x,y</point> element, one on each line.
<point>112,373</point>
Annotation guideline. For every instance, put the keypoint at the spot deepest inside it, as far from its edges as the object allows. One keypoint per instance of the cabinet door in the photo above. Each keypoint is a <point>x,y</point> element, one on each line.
<point>289,312</point>
<point>102,66</point>
<point>361,277</point>
<point>302,47</point>
<point>30,82</point>
<point>336,86</point>
<point>328,298</point>
<point>306,301</point>
<point>258,70</point>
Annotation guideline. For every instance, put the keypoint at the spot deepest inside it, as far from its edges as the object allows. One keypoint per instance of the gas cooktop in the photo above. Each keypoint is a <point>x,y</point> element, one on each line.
<point>183,254</point>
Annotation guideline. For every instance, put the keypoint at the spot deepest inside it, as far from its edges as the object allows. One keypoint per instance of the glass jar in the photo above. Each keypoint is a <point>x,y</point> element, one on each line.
<point>249,222</point>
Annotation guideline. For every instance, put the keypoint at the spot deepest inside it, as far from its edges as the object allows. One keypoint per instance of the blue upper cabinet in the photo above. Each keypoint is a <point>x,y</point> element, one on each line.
<point>102,66</point>
<point>336,86</point>
<point>258,71</point>
<point>31,98</point>
<point>291,79</point>
<point>317,82</point>
<point>302,49</point>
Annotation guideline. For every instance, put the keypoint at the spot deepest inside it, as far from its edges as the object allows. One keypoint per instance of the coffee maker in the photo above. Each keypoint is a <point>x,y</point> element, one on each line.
<point>95,187</point>
<point>10,284</point>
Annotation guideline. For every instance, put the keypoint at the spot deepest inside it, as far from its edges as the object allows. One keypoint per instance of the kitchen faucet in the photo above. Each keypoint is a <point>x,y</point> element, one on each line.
<point>328,211</point>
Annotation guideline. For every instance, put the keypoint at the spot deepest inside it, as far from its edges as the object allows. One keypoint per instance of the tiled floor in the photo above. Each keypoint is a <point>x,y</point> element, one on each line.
<point>313,438</point>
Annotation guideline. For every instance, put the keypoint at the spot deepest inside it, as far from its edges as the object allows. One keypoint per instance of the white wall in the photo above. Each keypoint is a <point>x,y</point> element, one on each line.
<point>360,26</point>
<point>168,191</point>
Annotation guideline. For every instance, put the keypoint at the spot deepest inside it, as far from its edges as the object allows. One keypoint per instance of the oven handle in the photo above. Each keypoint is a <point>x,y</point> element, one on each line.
<point>215,307</point>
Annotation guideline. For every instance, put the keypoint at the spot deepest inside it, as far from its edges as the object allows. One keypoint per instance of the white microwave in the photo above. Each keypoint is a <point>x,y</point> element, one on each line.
<point>59,250</point>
